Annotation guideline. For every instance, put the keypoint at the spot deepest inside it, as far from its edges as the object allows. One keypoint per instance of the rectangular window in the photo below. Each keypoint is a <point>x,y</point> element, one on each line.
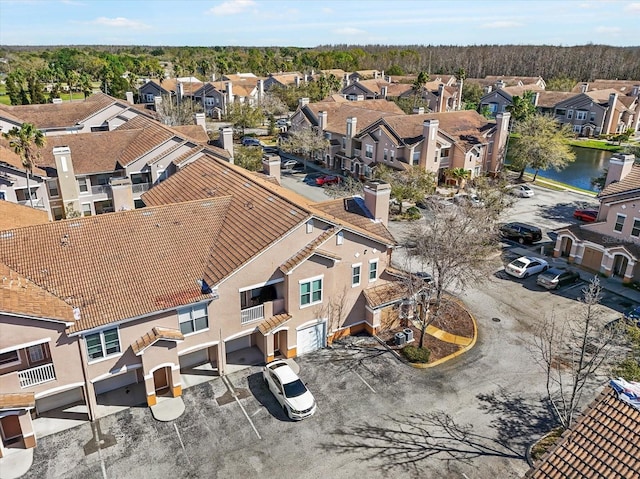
<point>373,270</point>
<point>340,238</point>
<point>392,155</point>
<point>635,231</point>
<point>581,115</point>
<point>310,226</point>
<point>82,185</point>
<point>592,116</point>
<point>561,112</point>
<point>355,274</point>
<point>386,154</point>
<point>577,128</point>
<point>619,223</point>
<point>193,319</point>
<point>369,151</point>
<point>569,114</point>
<point>57,213</point>
<point>9,358</point>
<point>310,292</point>
<point>416,157</point>
<point>344,142</point>
<point>53,188</point>
<point>86,209</point>
<point>36,354</point>
<point>102,344</point>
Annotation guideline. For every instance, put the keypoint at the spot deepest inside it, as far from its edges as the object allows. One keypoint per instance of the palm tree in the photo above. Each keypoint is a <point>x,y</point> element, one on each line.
<point>460,175</point>
<point>26,142</point>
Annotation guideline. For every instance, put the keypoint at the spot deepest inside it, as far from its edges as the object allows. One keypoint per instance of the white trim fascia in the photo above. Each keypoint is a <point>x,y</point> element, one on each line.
<point>37,318</point>
<point>260,285</point>
<point>281,328</point>
<point>59,389</point>
<point>198,347</point>
<point>239,335</point>
<point>313,322</point>
<point>24,345</point>
<point>141,352</point>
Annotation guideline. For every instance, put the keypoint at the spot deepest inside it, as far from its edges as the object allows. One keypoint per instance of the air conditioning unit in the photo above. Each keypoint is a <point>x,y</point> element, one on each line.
<point>401,339</point>
<point>408,332</point>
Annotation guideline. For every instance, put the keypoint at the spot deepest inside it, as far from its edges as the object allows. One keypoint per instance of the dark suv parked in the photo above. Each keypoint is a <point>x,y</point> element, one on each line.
<point>521,232</point>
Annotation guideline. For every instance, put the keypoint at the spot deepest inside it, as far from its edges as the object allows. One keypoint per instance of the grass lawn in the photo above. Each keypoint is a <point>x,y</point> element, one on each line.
<point>556,185</point>
<point>596,145</point>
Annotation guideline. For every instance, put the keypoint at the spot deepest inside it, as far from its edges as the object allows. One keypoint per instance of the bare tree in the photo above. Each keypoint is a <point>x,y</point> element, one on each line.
<point>304,141</point>
<point>347,187</point>
<point>177,113</point>
<point>572,351</point>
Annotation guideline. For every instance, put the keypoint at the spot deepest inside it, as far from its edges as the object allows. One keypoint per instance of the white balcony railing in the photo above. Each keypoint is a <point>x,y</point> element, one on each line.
<point>37,375</point>
<point>140,187</point>
<point>252,314</point>
<point>99,189</point>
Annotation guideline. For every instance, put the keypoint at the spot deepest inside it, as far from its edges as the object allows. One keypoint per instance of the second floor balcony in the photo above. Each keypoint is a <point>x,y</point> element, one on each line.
<point>38,375</point>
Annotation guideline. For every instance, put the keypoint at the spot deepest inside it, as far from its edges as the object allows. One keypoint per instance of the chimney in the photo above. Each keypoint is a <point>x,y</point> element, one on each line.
<point>375,74</point>
<point>322,121</point>
<point>121,194</point>
<point>226,140</point>
<point>499,142</point>
<point>460,86</point>
<point>383,92</point>
<point>536,98</point>
<point>67,184</point>
<point>260,90</point>
<point>271,166</point>
<point>157,101</point>
<point>418,110</point>
<point>302,102</point>
<point>346,80</point>
<point>487,89</point>
<point>377,194</point>
<point>382,75</point>
<point>620,166</point>
<point>199,120</point>
<point>609,123</point>
<point>229,87</point>
<point>297,80</point>
<point>213,77</point>
<point>441,100</point>
<point>500,84</point>
<point>352,123</point>
<point>129,96</point>
<point>636,90</point>
<point>584,88</point>
<point>428,153</point>
<point>180,91</point>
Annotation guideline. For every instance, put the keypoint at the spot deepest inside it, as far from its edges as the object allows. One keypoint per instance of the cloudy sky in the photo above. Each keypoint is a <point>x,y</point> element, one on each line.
<point>307,23</point>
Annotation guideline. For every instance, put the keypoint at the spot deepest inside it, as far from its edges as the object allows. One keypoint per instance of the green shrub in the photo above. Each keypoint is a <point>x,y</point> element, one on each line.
<point>412,213</point>
<point>416,355</point>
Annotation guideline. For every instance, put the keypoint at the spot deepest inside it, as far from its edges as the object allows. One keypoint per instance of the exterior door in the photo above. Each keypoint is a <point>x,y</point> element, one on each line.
<point>276,343</point>
<point>620,265</point>
<point>160,380</point>
<point>10,428</point>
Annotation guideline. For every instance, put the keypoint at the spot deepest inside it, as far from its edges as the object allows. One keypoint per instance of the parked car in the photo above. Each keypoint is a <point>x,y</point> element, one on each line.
<point>280,122</point>
<point>270,150</point>
<point>555,277</point>
<point>520,232</point>
<point>434,202</point>
<point>327,180</point>
<point>523,191</point>
<point>292,394</point>
<point>586,215</point>
<point>468,199</point>
<point>632,316</point>
<point>250,141</point>
<point>525,266</point>
<point>289,164</point>
<point>424,276</point>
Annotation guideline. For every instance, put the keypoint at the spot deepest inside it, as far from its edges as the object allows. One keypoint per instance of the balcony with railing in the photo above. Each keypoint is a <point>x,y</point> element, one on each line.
<point>100,189</point>
<point>252,314</point>
<point>36,202</point>
<point>38,375</point>
<point>140,187</point>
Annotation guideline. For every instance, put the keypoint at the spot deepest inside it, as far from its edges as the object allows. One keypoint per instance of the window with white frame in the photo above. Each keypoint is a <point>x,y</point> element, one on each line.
<point>82,185</point>
<point>386,154</point>
<point>635,231</point>
<point>9,358</point>
<point>581,115</point>
<point>569,114</point>
<point>193,319</point>
<point>86,209</point>
<point>310,291</point>
<point>392,156</point>
<point>340,238</point>
<point>52,186</point>
<point>373,270</point>
<point>356,273</point>
<point>577,128</point>
<point>561,112</point>
<point>103,343</point>
<point>619,222</point>
<point>416,156</point>
<point>592,116</point>
<point>310,226</point>
<point>369,151</point>
<point>36,353</point>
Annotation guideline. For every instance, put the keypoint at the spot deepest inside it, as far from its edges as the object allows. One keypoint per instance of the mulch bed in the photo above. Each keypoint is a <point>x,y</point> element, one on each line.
<point>454,319</point>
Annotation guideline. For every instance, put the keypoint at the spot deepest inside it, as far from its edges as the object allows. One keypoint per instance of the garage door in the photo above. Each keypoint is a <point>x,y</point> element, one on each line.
<point>236,344</point>
<point>115,382</point>
<point>311,338</point>
<point>591,259</point>
<point>194,359</point>
<point>59,400</point>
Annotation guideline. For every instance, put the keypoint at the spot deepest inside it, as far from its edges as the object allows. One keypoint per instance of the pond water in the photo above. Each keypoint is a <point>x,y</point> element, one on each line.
<point>589,163</point>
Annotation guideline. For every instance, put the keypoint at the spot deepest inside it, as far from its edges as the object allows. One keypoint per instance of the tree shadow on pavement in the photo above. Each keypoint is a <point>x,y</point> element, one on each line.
<point>403,442</point>
<point>563,211</point>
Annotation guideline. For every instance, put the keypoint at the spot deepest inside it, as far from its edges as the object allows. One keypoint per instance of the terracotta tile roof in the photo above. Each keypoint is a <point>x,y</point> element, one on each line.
<point>20,296</point>
<point>288,78</point>
<point>9,157</point>
<point>374,85</point>
<point>308,251</point>
<point>601,96</point>
<point>334,71</point>
<point>193,132</point>
<point>125,264</point>
<point>152,135</point>
<point>354,212</point>
<point>273,322</point>
<point>623,86</point>
<point>602,443</point>
<point>628,183</point>
<point>156,334</point>
<point>384,294</point>
<point>582,232</point>
<point>549,99</point>
<point>520,90</point>
<point>13,215</point>
<point>367,112</point>
<point>398,89</point>
<point>59,115</point>
<point>17,401</point>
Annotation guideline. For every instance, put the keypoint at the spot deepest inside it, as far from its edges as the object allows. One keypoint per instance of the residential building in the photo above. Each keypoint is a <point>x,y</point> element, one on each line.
<point>611,245</point>
<point>13,181</point>
<point>497,100</point>
<point>366,89</point>
<point>284,80</point>
<point>174,89</point>
<point>13,215</point>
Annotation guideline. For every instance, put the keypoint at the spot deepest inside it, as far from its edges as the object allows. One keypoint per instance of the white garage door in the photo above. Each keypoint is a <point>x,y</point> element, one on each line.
<point>194,359</point>
<point>311,338</point>
<point>62,399</point>
<point>236,344</point>
<point>115,382</point>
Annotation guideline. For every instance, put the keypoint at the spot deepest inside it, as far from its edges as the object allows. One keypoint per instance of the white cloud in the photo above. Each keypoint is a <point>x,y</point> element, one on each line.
<point>501,24</point>
<point>232,7</point>
<point>609,30</point>
<point>633,7</point>
<point>119,22</point>
<point>348,31</point>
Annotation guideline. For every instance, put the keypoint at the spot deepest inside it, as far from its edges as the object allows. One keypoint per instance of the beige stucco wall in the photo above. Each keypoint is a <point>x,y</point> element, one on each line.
<point>631,209</point>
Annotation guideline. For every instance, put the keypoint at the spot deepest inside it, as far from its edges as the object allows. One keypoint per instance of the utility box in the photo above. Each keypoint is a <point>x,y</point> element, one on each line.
<point>408,332</point>
<point>401,339</point>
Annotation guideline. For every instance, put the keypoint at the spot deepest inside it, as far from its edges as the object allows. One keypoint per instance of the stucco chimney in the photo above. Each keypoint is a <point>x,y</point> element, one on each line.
<point>271,166</point>
<point>129,96</point>
<point>297,80</point>
<point>122,194</point>
<point>383,92</point>
<point>157,101</point>
<point>67,184</point>
<point>418,110</point>
<point>609,123</point>
<point>460,86</point>
<point>213,77</point>
<point>260,90</point>
<point>500,84</point>
<point>636,90</point>
<point>346,81</point>
<point>180,91</point>
<point>499,142</point>
<point>620,166</point>
<point>428,149</point>
<point>487,89</point>
<point>322,120</point>
<point>352,123</point>
<point>199,119</point>
<point>441,100</point>
<point>229,87</point>
<point>584,88</point>
<point>302,102</point>
<point>375,74</point>
<point>226,140</point>
<point>377,194</point>
<point>536,98</point>
<point>382,75</point>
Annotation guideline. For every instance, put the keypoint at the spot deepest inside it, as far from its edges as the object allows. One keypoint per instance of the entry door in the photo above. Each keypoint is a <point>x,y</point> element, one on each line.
<point>276,343</point>
<point>160,380</point>
<point>10,428</point>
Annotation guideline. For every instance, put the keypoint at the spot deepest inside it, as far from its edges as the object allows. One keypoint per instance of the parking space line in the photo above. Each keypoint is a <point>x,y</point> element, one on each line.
<point>181,443</point>
<point>365,382</point>
<point>230,387</point>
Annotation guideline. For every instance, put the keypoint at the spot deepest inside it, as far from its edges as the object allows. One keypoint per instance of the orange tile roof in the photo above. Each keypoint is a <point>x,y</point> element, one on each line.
<point>602,443</point>
<point>367,112</point>
<point>549,99</point>
<point>273,322</point>
<point>385,294</point>
<point>153,134</point>
<point>193,132</point>
<point>17,401</point>
<point>157,333</point>
<point>13,215</point>
<point>59,115</point>
<point>628,183</point>
<point>126,264</point>
<point>22,297</point>
<point>10,158</point>
<point>306,252</point>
